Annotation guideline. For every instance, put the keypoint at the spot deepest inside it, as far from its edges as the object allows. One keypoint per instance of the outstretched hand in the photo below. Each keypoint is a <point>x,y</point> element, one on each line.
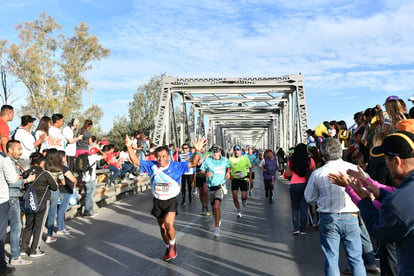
<point>359,175</point>
<point>340,179</point>
<point>200,143</point>
<point>359,189</point>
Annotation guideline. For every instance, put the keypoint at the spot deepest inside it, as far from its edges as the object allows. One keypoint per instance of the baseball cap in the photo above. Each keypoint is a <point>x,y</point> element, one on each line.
<point>94,150</point>
<point>27,119</point>
<point>215,148</point>
<point>400,143</point>
<point>236,147</point>
<point>391,98</point>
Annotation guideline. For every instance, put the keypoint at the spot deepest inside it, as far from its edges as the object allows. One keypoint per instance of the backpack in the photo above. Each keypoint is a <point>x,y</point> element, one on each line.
<point>82,163</point>
<point>29,203</point>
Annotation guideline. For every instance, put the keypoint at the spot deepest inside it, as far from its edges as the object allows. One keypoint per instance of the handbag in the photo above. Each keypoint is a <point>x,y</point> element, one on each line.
<point>29,203</point>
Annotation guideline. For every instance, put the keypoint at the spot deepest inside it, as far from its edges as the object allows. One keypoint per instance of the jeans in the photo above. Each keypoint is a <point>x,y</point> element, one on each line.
<point>15,226</point>
<point>126,167</point>
<point>64,203</point>
<point>367,249</point>
<point>341,227</point>
<point>299,206</point>
<point>4,210</point>
<point>89,193</point>
<point>116,172</point>
<point>54,198</point>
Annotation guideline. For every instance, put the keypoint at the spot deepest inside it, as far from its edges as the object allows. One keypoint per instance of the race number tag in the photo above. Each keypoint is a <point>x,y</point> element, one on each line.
<point>219,170</point>
<point>162,188</point>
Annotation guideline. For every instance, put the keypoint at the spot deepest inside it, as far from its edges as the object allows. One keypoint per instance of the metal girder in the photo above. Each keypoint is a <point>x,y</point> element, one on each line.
<point>272,109</point>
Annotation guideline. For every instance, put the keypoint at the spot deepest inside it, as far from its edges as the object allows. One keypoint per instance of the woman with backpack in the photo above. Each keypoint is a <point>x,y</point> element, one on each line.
<point>299,167</point>
<point>43,184</point>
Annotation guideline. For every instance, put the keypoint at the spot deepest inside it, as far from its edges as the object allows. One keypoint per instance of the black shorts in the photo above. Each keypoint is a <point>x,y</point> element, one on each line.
<point>239,184</point>
<point>162,207</point>
<point>200,180</point>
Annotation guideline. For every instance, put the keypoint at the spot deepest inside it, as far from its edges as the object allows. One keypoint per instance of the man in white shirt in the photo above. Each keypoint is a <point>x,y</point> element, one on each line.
<point>27,140</point>
<point>338,214</point>
<point>56,139</point>
<point>68,132</point>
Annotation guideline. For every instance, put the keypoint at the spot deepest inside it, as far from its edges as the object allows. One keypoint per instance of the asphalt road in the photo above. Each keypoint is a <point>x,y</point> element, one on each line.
<point>124,240</point>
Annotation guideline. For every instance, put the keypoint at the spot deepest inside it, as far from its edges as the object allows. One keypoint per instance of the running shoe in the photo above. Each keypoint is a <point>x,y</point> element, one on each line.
<point>208,213</point>
<point>295,232</point>
<point>303,233</point>
<point>216,232</point>
<point>172,253</point>
<point>239,214</point>
<point>167,254</point>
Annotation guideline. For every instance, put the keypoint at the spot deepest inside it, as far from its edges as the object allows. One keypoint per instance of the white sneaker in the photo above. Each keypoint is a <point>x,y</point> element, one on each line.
<point>50,239</point>
<point>20,261</point>
<point>217,232</point>
<point>63,232</point>
<point>239,215</point>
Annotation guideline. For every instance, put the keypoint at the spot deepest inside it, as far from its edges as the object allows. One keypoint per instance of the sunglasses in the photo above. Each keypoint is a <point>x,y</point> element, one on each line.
<point>185,148</point>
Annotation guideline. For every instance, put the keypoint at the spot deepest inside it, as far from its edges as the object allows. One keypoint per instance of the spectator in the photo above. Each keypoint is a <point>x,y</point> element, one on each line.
<point>89,181</point>
<point>68,132</point>
<point>27,140</point>
<point>43,128</point>
<point>395,111</point>
<point>66,191</point>
<point>7,175</point>
<point>55,139</point>
<point>14,151</point>
<point>44,183</point>
<point>187,177</point>
<point>393,222</point>
<point>82,145</point>
<point>54,166</point>
<point>338,214</point>
<point>298,167</point>
<point>6,115</point>
<point>94,143</point>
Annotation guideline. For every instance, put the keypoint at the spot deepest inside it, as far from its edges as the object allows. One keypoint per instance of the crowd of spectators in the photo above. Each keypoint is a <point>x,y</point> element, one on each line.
<point>49,158</point>
<point>361,172</point>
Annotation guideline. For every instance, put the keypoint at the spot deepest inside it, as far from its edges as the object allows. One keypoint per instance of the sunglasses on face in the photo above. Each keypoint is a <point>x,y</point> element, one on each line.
<point>185,148</point>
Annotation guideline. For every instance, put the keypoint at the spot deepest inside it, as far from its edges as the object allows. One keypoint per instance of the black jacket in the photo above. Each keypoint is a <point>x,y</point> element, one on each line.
<point>43,182</point>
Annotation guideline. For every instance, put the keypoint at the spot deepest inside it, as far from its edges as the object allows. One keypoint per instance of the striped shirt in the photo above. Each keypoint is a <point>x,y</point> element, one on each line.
<point>330,198</point>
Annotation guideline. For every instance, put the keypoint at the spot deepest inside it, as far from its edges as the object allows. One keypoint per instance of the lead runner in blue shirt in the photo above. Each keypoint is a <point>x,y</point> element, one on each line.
<point>165,179</point>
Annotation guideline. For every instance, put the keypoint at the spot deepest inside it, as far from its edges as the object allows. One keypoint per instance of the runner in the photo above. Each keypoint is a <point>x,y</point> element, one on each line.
<point>253,161</point>
<point>269,166</point>
<point>217,170</point>
<point>201,183</point>
<point>165,176</point>
<point>239,164</point>
<point>187,178</point>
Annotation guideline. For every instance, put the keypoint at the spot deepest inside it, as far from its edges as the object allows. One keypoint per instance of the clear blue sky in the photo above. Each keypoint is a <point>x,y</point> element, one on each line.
<point>353,54</point>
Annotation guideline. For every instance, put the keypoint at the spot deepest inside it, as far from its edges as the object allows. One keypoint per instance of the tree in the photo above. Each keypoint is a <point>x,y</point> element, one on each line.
<point>95,114</point>
<point>51,66</point>
<point>120,128</point>
<point>5,95</point>
<point>144,105</point>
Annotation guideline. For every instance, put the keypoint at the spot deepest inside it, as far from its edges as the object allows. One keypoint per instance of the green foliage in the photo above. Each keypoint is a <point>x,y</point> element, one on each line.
<point>51,66</point>
<point>95,114</point>
<point>144,106</point>
<point>142,112</point>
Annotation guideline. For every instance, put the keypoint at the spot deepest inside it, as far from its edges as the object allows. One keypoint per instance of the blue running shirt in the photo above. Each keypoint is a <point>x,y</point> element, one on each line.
<point>218,168</point>
<point>165,182</point>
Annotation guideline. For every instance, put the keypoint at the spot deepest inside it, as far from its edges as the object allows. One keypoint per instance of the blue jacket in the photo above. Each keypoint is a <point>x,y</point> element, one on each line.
<point>394,222</point>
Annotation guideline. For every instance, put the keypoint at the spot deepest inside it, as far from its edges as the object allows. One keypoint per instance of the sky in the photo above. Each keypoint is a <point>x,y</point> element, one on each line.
<point>353,54</point>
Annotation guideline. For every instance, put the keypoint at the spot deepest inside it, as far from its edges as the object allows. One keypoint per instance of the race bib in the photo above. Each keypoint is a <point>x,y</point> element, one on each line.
<point>219,170</point>
<point>162,188</point>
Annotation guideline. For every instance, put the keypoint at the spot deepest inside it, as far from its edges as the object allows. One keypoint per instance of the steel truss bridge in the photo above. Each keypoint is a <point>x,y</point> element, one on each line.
<point>262,112</point>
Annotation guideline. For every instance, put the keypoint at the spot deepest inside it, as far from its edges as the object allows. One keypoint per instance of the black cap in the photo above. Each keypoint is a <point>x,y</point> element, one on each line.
<point>27,119</point>
<point>215,148</point>
<point>399,144</point>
